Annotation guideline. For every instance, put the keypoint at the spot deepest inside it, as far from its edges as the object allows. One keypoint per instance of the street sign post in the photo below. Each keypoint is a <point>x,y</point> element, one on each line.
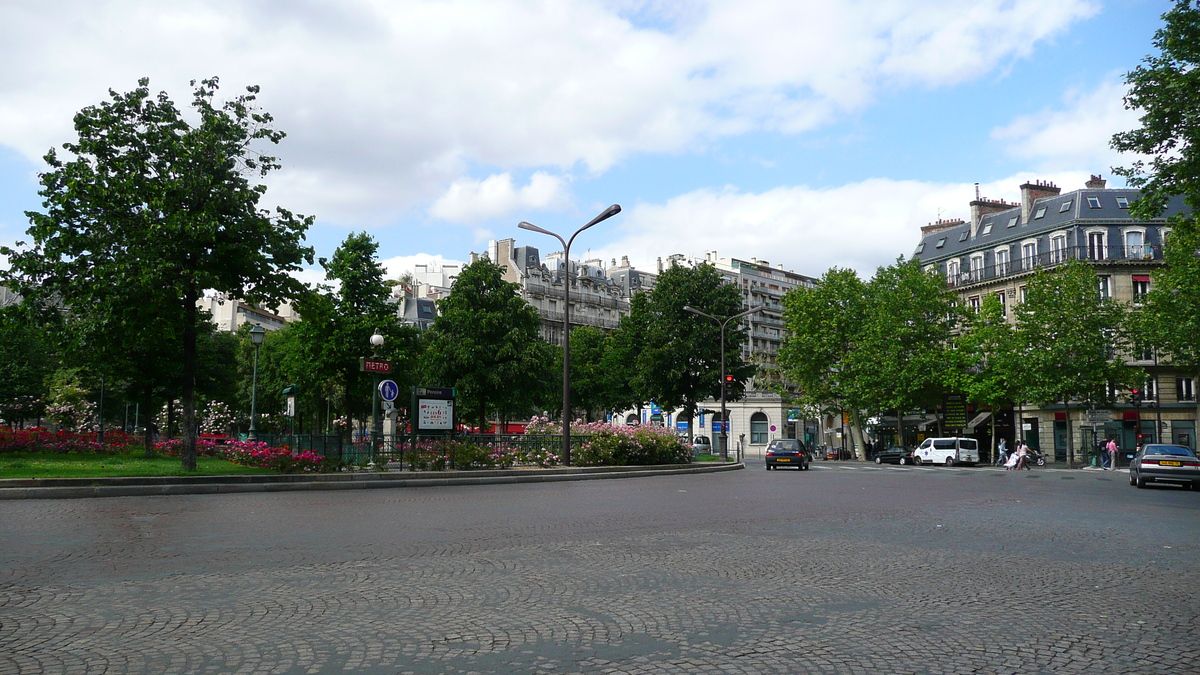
<point>388,390</point>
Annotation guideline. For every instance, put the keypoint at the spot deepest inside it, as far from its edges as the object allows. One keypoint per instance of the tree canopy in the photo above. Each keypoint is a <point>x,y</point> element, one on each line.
<point>151,208</point>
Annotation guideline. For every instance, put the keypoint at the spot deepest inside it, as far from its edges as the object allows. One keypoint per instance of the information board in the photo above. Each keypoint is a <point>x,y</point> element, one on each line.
<point>436,414</point>
<point>955,406</point>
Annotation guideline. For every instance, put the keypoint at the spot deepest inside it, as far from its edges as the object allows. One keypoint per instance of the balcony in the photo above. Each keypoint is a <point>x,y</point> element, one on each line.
<point>1025,265</point>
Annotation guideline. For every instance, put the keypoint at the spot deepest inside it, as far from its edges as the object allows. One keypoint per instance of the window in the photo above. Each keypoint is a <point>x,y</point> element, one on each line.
<point>1022,294</point>
<point>1065,206</point>
<point>1134,244</point>
<point>1093,202</point>
<point>1096,246</point>
<point>977,267</point>
<point>1122,202</point>
<point>758,429</point>
<point>1145,353</point>
<point>941,242</point>
<point>1150,390</point>
<point>1002,261</point>
<point>1028,255</point>
<point>1141,286</point>
<point>952,272</point>
<point>1185,389</point>
<point>973,303</point>
<point>1105,290</point>
<point>963,236</point>
<point>1012,221</point>
<point>1041,212</point>
<point>1002,296</point>
<point>987,229</point>
<point>1058,248</point>
<point>921,247</point>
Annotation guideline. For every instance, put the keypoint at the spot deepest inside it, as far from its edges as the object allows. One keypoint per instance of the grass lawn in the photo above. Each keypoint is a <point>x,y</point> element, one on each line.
<point>712,458</point>
<point>53,465</point>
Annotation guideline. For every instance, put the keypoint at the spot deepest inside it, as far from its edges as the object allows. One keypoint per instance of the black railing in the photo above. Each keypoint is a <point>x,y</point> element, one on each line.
<point>1025,264</point>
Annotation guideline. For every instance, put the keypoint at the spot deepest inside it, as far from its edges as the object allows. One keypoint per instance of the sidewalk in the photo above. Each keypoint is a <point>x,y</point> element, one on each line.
<point>77,488</point>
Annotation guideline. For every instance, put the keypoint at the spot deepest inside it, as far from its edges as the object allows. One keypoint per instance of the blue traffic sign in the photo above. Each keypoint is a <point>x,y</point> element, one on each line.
<point>388,390</point>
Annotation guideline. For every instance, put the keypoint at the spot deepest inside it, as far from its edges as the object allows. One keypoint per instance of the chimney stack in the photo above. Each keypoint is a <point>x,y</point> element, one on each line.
<point>1096,183</point>
<point>984,206</point>
<point>940,225</point>
<point>1031,192</point>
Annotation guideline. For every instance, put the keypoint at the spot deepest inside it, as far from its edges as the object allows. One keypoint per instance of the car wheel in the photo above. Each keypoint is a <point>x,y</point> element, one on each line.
<point>768,467</point>
<point>878,461</point>
<point>949,461</point>
<point>1141,482</point>
<point>917,461</point>
<point>1131,481</point>
<point>903,461</point>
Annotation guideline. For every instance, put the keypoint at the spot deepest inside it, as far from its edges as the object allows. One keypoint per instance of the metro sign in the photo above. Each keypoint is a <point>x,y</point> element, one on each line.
<point>374,366</point>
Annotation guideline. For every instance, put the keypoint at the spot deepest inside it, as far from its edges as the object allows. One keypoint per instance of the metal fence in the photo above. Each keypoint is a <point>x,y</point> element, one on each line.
<point>1020,264</point>
<point>329,445</point>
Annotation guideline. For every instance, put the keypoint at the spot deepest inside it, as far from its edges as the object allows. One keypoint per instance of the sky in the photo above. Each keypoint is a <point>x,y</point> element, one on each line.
<point>808,133</point>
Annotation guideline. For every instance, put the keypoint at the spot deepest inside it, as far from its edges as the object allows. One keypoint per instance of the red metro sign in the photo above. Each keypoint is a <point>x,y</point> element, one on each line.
<point>374,366</point>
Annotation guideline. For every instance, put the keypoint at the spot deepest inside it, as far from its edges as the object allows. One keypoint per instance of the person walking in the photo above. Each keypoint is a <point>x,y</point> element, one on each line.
<point>1001,453</point>
<point>1112,453</point>
<point>1022,451</point>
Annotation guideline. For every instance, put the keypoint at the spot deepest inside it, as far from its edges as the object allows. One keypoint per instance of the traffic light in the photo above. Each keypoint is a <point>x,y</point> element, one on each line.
<point>728,379</point>
<point>1135,396</point>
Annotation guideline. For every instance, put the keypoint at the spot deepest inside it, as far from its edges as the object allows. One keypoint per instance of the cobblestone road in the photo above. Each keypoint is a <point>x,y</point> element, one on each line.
<point>842,569</point>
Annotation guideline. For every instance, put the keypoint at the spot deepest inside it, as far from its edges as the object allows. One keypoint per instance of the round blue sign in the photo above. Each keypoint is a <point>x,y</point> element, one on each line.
<point>388,390</point>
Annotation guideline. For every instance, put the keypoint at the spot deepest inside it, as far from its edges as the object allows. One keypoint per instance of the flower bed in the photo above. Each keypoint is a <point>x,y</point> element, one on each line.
<point>245,453</point>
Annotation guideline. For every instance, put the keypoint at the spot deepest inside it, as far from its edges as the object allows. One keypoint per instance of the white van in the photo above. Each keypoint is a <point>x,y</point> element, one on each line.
<point>948,451</point>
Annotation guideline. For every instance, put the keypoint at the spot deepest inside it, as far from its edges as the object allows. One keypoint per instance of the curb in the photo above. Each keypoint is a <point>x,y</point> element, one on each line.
<point>81,488</point>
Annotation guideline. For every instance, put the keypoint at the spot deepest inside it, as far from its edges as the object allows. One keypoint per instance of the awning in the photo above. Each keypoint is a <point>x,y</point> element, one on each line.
<point>1141,277</point>
<point>978,420</point>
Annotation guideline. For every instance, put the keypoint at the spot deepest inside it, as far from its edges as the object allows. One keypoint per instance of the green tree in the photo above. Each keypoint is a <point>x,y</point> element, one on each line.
<point>153,207</point>
<point>27,358</point>
<point>680,357</point>
<point>900,354</point>
<point>485,342</point>
<point>1165,89</point>
<point>823,325</point>
<point>983,363</point>
<point>1069,341</point>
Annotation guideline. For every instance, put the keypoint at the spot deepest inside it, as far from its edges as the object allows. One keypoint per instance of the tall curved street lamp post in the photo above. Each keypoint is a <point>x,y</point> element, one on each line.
<point>566,396</point>
<point>376,420</point>
<point>257,333</point>
<point>724,419</point>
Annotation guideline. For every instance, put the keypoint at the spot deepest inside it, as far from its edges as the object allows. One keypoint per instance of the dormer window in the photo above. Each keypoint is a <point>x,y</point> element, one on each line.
<point>1122,202</point>
<point>1012,222</point>
<point>1065,206</point>
<point>1093,202</point>
<point>1041,212</point>
<point>987,229</point>
<point>941,242</point>
<point>963,236</point>
<point>920,248</point>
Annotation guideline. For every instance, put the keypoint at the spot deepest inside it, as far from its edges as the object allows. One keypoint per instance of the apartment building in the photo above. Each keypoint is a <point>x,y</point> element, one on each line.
<point>1004,243</point>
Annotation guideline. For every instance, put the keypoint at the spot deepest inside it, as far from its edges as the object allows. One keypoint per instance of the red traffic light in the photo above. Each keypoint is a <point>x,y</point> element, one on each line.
<point>1134,391</point>
<point>729,378</point>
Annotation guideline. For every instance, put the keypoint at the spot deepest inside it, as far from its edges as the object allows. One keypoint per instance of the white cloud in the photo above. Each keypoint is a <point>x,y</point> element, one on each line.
<point>859,226</point>
<point>469,200</point>
<point>1077,134</point>
<point>388,102</point>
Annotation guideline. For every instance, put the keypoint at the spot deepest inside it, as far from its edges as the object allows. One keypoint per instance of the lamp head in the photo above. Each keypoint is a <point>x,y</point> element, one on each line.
<point>257,333</point>
<point>376,340</point>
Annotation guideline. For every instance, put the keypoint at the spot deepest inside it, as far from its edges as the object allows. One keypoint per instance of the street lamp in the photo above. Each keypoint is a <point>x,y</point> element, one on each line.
<point>566,405</point>
<point>376,422</point>
<point>257,333</point>
<point>724,379</point>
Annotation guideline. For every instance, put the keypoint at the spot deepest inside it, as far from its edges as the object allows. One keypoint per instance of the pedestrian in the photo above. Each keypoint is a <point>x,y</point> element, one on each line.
<point>1112,453</point>
<point>1001,453</point>
<point>1022,451</point>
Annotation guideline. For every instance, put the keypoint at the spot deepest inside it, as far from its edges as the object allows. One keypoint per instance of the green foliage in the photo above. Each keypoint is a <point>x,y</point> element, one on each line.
<point>486,343</point>
<point>984,364</point>
<point>150,210</point>
<point>1165,90</point>
<point>678,355</point>
<point>1068,342</point>
<point>27,357</point>
<point>823,325</point>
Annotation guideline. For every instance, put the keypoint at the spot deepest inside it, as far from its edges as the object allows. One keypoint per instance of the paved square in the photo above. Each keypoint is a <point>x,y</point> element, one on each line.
<point>841,569</point>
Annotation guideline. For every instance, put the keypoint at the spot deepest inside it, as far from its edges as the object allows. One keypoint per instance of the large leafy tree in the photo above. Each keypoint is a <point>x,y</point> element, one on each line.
<point>984,362</point>
<point>1165,89</point>
<point>824,325</point>
<point>485,341</point>
<point>1069,342</point>
<point>151,207</point>
<point>680,357</point>
<point>27,358</point>
<point>900,354</point>
<point>337,327</point>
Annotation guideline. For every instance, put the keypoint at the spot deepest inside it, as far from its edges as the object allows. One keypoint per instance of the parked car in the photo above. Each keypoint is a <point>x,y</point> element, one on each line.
<point>701,445</point>
<point>786,452</point>
<point>1157,463</point>
<point>897,454</point>
<point>948,451</point>
<point>838,453</point>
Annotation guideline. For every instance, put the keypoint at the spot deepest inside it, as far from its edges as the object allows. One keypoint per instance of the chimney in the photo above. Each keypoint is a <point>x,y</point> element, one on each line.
<point>624,261</point>
<point>984,206</point>
<point>660,264</point>
<point>1096,183</point>
<point>1031,192</point>
<point>940,225</point>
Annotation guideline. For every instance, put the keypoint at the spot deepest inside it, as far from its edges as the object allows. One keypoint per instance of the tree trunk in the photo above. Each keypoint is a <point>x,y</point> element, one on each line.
<point>1070,436</point>
<point>189,381</point>
<point>148,429</point>
<point>856,436</point>
<point>170,419</point>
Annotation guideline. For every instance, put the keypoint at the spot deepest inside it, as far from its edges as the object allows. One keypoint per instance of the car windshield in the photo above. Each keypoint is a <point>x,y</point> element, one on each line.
<point>1173,450</point>
<point>785,445</point>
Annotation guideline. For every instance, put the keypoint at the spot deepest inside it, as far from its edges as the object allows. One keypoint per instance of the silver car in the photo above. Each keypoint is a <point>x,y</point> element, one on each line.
<point>1157,463</point>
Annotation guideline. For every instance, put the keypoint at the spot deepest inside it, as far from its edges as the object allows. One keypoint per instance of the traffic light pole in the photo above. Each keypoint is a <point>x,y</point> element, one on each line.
<point>725,379</point>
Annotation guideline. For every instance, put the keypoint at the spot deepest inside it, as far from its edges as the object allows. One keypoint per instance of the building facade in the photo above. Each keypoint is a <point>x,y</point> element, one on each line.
<point>1004,243</point>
